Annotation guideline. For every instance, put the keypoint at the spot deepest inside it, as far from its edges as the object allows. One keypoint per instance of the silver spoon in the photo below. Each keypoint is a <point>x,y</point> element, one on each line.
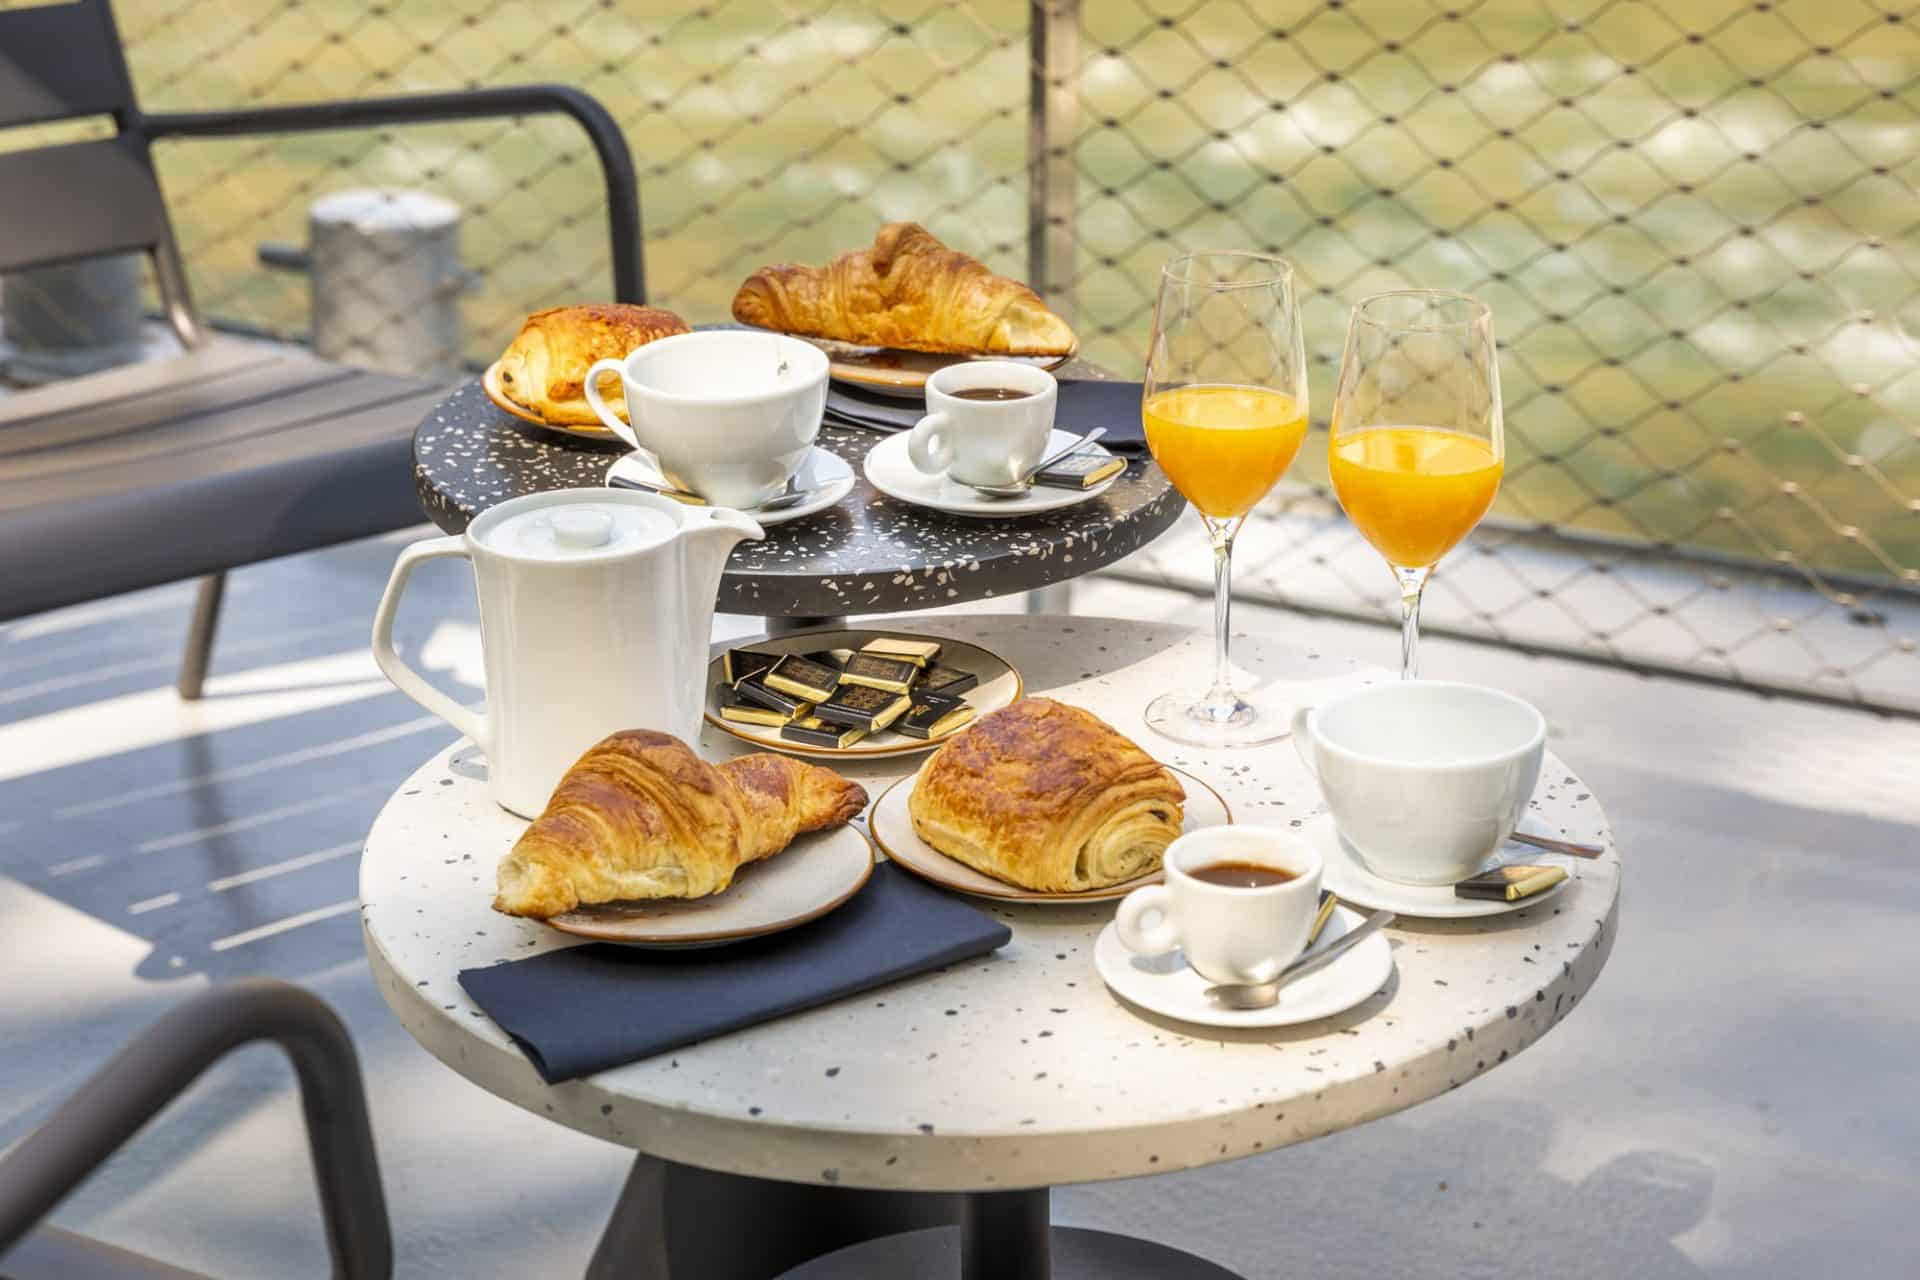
<point>1262,995</point>
<point>1025,485</point>
<point>781,502</point>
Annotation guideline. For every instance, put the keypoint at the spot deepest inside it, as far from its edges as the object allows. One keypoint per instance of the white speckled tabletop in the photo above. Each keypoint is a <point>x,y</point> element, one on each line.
<point>1020,1069</point>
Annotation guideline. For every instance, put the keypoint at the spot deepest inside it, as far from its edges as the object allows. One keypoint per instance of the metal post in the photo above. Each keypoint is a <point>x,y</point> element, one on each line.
<point>1053,127</point>
<point>1006,1235</point>
<point>206,618</point>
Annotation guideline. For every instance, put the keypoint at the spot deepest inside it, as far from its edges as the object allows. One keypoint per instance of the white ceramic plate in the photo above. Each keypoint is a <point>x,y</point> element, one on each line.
<point>892,472</point>
<point>904,373</point>
<point>892,828</point>
<point>827,472</point>
<point>1166,986</point>
<point>804,881</point>
<point>1345,875</point>
<point>999,686</point>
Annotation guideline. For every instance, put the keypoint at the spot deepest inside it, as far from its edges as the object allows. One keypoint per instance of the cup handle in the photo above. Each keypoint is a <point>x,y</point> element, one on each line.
<point>607,416</point>
<point>1302,741</point>
<point>927,444</point>
<point>405,678</point>
<point>1139,937</point>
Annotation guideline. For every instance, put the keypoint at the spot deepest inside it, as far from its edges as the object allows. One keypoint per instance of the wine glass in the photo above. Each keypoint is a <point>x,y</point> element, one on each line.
<point>1417,449</point>
<point>1225,411</point>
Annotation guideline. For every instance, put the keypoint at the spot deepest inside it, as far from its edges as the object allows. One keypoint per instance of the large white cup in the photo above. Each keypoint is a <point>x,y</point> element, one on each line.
<point>1228,935</point>
<point>1424,778</point>
<point>984,441</point>
<point>726,413</point>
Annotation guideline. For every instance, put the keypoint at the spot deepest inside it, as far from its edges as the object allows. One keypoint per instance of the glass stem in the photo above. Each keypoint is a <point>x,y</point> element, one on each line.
<point>1220,698</point>
<point>1412,583</point>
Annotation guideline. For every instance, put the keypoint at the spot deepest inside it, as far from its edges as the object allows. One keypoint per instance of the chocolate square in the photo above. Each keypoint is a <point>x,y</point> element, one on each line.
<point>863,707</point>
<point>903,649</point>
<point>933,716</point>
<point>879,673</point>
<point>1081,471</point>
<point>950,681</point>
<point>738,664</point>
<point>756,690</point>
<point>803,678</point>
<point>817,732</point>
<point>740,710</point>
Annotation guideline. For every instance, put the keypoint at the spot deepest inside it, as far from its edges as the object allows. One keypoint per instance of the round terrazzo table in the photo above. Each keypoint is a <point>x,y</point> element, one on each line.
<point>867,554</point>
<point>1001,1076</point>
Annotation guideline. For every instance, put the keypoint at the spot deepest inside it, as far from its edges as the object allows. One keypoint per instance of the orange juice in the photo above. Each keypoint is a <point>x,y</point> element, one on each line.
<point>1223,446</point>
<point>1413,491</point>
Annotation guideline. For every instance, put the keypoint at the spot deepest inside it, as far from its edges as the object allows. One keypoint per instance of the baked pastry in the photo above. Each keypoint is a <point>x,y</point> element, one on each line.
<point>907,290</point>
<point>545,369</point>
<point>641,816</point>
<point>1048,797</point>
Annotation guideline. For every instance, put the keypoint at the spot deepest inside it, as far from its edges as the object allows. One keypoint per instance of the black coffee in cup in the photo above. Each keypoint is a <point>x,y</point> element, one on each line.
<point>1242,875</point>
<point>990,393</point>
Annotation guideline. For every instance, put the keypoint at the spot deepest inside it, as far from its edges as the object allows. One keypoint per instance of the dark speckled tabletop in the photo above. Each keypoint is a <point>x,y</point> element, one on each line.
<point>867,555</point>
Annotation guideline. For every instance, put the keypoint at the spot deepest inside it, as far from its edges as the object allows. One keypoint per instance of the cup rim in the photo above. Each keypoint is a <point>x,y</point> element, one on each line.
<point>1045,384</point>
<point>1535,740</point>
<point>805,352</point>
<point>1306,863</point>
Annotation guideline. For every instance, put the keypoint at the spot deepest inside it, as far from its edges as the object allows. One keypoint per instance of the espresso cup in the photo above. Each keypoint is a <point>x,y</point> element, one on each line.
<point>729,414</point>
<point>984,441</point>
<point>1424,778</point>
<point>1228,934</point>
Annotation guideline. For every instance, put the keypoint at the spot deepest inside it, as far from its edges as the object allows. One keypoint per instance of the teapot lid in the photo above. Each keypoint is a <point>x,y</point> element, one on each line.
<point>575,524</point>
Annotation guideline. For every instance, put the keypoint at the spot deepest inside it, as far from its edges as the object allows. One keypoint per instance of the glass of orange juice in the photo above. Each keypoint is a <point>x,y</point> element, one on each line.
<point>1417,448</point>
<point>1225,411</point>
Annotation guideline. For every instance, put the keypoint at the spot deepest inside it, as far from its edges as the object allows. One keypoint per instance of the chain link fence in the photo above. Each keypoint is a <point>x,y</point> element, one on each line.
<point>1696,222</point>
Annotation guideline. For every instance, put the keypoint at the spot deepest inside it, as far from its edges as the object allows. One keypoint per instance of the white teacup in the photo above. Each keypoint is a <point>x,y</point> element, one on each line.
<point>1228,934</point>
<point>726,413</point>
<point>1424,778</point>
<point>984,441</point>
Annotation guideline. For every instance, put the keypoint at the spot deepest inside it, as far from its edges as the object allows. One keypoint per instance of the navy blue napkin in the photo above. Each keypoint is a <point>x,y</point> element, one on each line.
<point>1083,405</point>
<point>594,1007</point>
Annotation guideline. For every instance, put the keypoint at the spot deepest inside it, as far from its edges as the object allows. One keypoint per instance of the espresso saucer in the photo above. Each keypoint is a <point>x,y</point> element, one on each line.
<point>1343,873</point>
<point>821,470</point>
<point>892,472</point>
<point>1166,986</point>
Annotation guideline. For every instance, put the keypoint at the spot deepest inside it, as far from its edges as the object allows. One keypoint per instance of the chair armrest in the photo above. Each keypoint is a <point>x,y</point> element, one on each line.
<point>609,144</point>
<point>120,1098</point>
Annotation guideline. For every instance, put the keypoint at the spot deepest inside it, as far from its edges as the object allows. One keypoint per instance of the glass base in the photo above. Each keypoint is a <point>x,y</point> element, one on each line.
<point>1235,721</point>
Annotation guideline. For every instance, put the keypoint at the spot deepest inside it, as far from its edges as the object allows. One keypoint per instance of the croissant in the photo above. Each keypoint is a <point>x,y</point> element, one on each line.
<point>641,816</point>
<point>908,291</point>
<point>545,369</point>
<point>1047,797</point>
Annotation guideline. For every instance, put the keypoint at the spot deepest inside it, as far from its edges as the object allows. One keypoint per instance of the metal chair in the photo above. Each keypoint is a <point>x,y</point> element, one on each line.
<point>109,1109</point>
<point>237,451</point>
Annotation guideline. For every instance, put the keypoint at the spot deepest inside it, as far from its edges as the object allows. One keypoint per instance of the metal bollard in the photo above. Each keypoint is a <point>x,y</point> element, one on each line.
<point>385,278</point>
<point>73,319</point>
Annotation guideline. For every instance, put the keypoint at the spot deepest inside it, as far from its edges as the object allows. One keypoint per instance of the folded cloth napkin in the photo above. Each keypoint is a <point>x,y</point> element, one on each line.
<point>1084,404</point>
<point>593,1007</point>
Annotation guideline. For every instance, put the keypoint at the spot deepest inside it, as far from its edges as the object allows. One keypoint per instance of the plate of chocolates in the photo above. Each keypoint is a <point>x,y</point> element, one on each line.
<point>855,693</point>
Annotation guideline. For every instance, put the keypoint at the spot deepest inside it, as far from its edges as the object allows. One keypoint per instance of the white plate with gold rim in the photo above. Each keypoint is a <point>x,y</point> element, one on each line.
<point>999,686</point>
<point>804,881</point>
<point>1343,873</point>
<point>891,471</point>
<point>892,828</point>
<point>491,385</point>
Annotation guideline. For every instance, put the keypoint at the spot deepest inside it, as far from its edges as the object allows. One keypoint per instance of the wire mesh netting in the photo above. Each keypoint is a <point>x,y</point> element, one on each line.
<point>1695,222</point>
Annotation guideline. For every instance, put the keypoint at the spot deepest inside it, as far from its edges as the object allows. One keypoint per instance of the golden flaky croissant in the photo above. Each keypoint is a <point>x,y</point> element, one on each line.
<point>641,816</point>
<point>1047,797</point>
<point>909,291</point>
<point>545,369</point>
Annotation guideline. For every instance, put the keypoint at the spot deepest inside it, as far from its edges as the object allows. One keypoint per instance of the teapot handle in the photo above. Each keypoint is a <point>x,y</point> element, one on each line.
<point>410,682</point>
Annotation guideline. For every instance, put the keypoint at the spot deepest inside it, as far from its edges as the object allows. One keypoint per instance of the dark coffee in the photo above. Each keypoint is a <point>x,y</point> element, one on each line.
<point>1242,875</point>
<point>990,393</point>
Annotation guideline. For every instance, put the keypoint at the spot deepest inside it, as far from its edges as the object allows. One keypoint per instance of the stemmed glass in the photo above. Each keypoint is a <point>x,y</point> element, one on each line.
<point>1225,411</point>
<point>1417,448</point>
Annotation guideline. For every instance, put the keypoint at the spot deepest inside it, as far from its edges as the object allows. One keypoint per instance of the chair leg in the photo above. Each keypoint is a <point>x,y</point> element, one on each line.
<point>206,617</point>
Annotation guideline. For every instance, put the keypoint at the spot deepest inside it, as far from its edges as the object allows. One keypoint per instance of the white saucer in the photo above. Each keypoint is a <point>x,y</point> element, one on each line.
<point>804,881</point>
<point>1344,874</point>
<point>891,824</point>
<point>892,472</point>
<point>827,472</point>
<point>1166,986</point>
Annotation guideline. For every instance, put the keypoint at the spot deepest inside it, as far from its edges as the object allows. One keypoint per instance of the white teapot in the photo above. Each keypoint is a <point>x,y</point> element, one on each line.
<point>596,607</point>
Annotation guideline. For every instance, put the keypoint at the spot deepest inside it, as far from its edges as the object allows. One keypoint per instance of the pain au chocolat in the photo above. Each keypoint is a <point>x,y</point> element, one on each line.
<point>545,370</point>
<point>1047,797</point>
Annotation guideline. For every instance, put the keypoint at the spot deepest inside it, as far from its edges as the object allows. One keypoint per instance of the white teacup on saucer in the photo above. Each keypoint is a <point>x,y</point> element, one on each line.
<point>1423,778</point>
